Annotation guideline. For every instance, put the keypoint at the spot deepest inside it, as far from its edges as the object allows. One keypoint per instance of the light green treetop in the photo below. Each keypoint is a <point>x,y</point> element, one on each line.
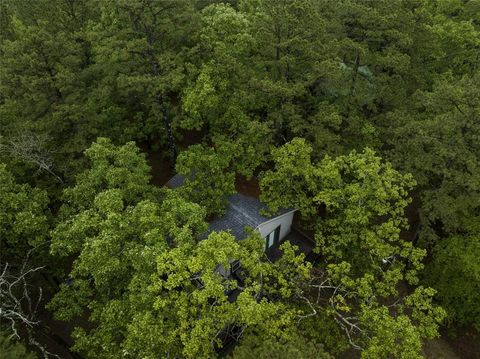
<point>220,96</point>
<point>296,347</point>
<point>24,217</point>
<point>355,205</point>
<point>117,227</point>
<point>111,167</point>
<point>208,177</point>
<point>191,297</point>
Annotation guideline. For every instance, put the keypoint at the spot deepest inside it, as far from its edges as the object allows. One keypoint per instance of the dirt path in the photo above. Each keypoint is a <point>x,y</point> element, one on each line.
<point>439,349</point>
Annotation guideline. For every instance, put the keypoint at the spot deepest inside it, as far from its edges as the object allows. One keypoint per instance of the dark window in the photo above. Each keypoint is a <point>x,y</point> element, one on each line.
<point>273,238</point>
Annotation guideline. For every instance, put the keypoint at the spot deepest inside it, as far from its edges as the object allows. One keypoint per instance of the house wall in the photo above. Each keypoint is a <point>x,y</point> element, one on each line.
<point>285,221</point>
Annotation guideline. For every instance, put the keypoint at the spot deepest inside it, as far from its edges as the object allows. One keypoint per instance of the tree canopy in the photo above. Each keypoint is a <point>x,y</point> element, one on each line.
<point>24,217</point>
<point>364,116</point>
<point>355,205</point>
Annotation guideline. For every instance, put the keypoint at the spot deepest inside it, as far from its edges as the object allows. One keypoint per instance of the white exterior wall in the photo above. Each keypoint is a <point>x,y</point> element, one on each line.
<point>285,222</point>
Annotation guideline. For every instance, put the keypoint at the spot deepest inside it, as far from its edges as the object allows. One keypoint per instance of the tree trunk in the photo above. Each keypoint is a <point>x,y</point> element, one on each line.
<point>172,148</point>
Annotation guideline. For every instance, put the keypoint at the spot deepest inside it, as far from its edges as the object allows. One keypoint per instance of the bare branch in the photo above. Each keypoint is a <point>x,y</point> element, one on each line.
<point>18,306</point>
<point>30,147</point>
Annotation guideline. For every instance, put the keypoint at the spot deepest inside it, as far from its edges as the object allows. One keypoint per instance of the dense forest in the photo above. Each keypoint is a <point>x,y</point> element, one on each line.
<point>363,115</point>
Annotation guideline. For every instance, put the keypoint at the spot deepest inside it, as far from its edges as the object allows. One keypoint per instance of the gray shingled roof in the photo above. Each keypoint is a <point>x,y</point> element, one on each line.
<point>242,211</point>
<point>175,182</point>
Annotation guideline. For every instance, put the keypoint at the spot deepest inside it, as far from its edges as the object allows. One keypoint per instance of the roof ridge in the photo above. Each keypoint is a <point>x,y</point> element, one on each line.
<point>239,210</point>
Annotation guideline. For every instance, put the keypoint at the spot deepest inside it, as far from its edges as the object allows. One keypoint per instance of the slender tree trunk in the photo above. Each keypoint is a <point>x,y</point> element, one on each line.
<point>354,75</point>
<point>166,122</point>
<point>172,148</point>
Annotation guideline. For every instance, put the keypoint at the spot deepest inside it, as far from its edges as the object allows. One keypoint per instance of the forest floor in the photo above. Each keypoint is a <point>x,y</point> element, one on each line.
<point>162,170</point>
<point>463,346</point>
<point>54,335</point>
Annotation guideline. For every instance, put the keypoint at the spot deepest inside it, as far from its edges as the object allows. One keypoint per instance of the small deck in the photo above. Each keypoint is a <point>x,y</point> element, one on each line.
<point>305,245</point>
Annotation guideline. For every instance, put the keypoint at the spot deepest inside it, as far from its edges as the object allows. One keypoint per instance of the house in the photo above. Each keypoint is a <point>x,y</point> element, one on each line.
<point>245,211</point>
